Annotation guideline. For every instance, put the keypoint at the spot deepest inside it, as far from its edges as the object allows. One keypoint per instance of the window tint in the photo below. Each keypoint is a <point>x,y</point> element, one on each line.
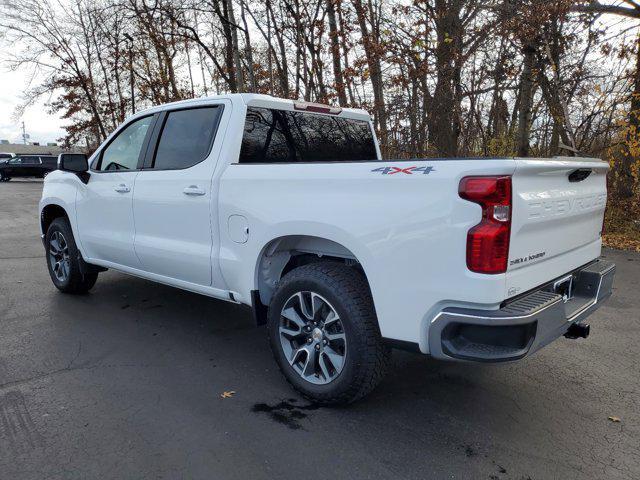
<point>30,160</point>
<point>282,136</point>
<point>15,161</point>
<point>122,153</point>
<point>186,138</point>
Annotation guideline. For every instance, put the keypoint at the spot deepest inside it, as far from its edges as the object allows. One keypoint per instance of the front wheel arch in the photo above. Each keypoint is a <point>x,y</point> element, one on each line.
<point>49,213</point>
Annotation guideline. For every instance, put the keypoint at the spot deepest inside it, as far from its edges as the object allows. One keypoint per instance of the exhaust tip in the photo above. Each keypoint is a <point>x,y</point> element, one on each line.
<point>578,330</point>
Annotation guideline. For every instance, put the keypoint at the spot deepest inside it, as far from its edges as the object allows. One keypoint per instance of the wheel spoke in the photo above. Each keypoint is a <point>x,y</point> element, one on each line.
<point>317,302</point>
<point>323,366</point>
<point>309,368</point>
<point>294,357</point>
<point>331,318</point>
<point>293,316</point>
<point>335,336</point>
<point>290,333</point>
<point>306,304</point>
<point>334,357</point>
<point>54,244</point>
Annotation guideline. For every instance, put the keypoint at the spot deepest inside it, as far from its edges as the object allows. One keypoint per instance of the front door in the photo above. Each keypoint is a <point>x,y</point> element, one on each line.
<point>105,204</point>
<point>172,203</point>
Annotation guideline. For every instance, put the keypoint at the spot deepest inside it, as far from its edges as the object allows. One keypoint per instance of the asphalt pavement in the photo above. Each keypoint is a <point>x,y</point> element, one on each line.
<point>127,382</point>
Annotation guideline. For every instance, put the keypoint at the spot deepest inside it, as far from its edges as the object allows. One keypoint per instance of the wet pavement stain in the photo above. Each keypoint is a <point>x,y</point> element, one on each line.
<point>286,412</point>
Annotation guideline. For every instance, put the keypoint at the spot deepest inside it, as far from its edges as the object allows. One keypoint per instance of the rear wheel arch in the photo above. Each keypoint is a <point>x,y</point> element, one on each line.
<point>283,254</point>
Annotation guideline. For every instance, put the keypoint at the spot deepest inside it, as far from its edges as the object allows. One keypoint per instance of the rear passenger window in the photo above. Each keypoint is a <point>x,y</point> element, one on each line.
<point>186,139</point>
<point>272,136</point>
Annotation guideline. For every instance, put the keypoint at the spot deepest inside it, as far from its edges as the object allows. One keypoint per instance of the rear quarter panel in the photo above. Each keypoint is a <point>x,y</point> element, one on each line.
<point>408,230</point>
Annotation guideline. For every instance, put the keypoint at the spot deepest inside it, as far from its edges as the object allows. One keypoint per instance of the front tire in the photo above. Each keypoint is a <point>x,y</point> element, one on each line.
<point>4,177</point>
<point>68,271</point>
<point>324,333</point>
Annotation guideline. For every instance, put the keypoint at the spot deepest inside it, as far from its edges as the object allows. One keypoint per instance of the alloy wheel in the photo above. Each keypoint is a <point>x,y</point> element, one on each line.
<point>59,256</point>
<point>312,337</point>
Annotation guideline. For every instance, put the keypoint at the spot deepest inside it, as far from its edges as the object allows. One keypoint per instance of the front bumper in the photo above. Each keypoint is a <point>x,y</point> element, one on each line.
<point>524,324</point>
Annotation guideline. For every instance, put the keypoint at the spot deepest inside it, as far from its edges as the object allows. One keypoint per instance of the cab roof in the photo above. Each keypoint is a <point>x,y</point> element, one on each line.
<point>267,101</point>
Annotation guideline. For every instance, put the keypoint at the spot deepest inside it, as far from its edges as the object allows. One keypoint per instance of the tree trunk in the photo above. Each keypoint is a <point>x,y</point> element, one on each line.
<point>335,53</point>
<point>632,148</point>
<point>444,121</point>
<point>223,15</point>
<point>237,63</point>
<point>248,51</point>
<point>371,49</point>
<point>527,86</point>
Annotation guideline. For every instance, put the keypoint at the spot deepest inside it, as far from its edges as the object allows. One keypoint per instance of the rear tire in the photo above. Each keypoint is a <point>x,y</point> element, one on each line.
<point>68,271</point>
<point>324,334</point>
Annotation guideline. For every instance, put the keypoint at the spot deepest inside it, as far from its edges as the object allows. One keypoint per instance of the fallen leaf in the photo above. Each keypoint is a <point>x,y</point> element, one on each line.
<point>615,419</point>
<point>228,394</point>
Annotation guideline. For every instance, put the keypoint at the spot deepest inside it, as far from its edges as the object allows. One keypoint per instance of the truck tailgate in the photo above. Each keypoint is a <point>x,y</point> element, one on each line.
<point>558,208</point>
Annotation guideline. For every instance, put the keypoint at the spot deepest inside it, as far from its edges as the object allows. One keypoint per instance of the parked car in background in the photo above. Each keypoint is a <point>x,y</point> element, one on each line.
<point>5,156</point>
<point>37,166</point>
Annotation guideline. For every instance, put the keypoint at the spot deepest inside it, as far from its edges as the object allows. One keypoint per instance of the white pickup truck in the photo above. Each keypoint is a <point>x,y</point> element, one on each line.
<point>288,207</point>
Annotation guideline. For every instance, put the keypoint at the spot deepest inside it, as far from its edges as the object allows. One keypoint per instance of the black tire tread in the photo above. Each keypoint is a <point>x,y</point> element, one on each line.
<point>79,282</point>
<point>351,285</point>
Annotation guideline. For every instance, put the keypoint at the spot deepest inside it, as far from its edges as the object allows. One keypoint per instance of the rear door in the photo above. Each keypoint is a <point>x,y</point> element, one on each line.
<point>31,166</point>
<point>558,209</point>
<point>173,197</point>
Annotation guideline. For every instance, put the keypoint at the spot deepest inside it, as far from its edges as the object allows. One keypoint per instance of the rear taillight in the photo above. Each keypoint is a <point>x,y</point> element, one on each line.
<point>488,241</point>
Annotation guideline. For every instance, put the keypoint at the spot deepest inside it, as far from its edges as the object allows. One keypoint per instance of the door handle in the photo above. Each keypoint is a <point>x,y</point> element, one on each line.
<point>193,190</point>
<point>122,188</point>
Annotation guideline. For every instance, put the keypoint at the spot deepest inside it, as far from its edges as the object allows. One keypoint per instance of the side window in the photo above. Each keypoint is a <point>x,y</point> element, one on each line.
<point>186,138</point>
<point>15,161</point>
<point>123,152</point>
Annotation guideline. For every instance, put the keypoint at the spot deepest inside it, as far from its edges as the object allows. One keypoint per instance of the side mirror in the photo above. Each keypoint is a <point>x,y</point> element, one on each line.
<point>75,163</point>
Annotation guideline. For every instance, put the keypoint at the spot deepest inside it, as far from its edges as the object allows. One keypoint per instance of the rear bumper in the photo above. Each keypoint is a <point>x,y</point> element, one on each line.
<point>523,325</point>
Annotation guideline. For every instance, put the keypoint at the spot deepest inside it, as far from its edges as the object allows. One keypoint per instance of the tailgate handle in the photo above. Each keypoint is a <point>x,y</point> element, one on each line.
<point>579,174</point>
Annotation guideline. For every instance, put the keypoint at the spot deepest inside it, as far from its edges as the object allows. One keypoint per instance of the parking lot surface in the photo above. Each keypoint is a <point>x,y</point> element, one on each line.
<point>127,382</point>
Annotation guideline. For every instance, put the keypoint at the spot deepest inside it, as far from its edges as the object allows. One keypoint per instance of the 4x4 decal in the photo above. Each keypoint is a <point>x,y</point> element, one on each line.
<point>407,170</point>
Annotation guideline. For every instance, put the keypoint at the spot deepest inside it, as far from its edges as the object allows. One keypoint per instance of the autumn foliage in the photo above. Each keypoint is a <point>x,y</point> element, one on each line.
<point>441,77</point>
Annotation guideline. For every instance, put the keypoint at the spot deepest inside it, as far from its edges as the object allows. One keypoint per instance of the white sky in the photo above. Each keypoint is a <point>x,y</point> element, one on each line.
<point>39,124</point>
